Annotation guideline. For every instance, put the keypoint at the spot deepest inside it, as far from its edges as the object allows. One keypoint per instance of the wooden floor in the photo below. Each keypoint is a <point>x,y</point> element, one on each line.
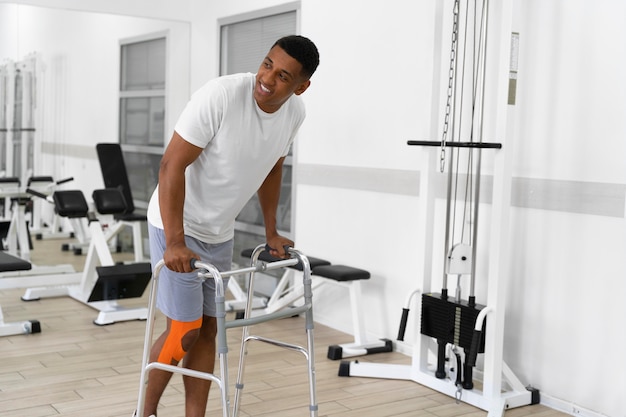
<point>74,368</point>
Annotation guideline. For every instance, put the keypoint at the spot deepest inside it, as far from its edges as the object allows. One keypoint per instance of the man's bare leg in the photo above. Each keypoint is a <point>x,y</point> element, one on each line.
<point>201,357</point>
<point>157,379</point>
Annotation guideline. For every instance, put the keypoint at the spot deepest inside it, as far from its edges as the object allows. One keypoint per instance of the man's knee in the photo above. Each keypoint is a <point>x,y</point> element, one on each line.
<point>180,338</point>
<point>208,331</point>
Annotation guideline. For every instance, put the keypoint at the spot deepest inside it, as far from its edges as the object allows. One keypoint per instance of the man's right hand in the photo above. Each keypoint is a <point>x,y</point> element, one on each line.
<point>177,257</point>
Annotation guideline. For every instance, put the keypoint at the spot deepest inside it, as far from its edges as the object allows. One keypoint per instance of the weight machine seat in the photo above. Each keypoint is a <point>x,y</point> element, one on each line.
<point>70,204</point>
<point>131,217</point>
<point>45,178</point>
<point>266,257</point>
<point>112,201</point>
<point>10,180</point>
<point>340,273</point>
<point>13,263</point>
<point>109,201</point>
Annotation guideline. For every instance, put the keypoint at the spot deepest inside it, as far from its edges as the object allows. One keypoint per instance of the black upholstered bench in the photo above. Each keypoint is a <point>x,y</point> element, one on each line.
<point>112,201</point>
<point>284,294</point>
<point>9,262</point>
<point>351,278</point>
<point>343,275</point>
<point>72,205</point>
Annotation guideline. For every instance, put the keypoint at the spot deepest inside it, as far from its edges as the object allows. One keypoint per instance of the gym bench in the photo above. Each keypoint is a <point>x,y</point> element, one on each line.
<point>102,282</point>
<point>324,272</point>
<point>11,263</point>
<point>111,201</point>
<point>46,185</point>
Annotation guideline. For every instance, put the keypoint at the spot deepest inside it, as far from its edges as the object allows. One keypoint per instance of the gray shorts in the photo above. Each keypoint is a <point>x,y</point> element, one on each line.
<point>184,296</point>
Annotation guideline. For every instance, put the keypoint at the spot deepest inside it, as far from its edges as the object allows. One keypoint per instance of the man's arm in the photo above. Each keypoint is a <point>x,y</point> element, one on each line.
<point>178,155</point>
<point>269,194</point>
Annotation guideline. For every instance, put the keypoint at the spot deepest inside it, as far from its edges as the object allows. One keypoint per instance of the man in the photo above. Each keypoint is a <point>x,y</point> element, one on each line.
<point>229,142</point>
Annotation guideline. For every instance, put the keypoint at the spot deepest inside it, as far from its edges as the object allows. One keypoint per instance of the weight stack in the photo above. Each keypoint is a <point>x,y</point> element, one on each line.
<point>451,322</point>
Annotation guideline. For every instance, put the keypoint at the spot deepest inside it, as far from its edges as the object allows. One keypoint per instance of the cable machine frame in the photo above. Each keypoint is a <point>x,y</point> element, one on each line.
<point>500,389</point>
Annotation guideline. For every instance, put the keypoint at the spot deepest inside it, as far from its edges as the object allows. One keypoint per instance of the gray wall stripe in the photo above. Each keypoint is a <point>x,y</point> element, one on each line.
<point>602,199</point>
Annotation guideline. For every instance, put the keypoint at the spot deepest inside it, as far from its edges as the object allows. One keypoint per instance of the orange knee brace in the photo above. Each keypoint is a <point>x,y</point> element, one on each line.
<point>173,348</point>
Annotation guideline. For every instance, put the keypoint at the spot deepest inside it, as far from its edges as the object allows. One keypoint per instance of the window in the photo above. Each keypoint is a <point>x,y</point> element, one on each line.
<point>142,112</point>
<point>243,45</point>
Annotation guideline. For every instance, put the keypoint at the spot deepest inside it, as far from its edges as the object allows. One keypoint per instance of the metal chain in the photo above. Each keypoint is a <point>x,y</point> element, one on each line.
<point>451,74</point>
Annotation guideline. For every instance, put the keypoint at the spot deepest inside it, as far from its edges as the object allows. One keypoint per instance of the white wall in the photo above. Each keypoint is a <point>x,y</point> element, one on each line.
<point>357,188</point>
<point>567,268</point>
<point>80,54</point>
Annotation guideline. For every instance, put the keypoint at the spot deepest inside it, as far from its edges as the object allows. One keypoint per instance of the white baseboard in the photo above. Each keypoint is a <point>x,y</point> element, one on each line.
<point>568,407</point>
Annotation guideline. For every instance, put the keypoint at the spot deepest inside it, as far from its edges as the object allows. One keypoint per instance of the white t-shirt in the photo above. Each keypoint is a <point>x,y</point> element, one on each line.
<point>241,144</point>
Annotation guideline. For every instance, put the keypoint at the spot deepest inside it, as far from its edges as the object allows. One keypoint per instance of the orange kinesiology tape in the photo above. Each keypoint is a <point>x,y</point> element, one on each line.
<point>173,346</point>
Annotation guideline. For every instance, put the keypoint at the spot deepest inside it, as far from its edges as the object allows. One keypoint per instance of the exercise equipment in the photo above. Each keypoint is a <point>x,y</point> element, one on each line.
<point>350,278</point>
<point>42,226</point>
<point>115,175</point>
<point>19,99</point>
<point>19,200</point>
<point>111,201</point>
<point>102,282</point>
<point>288,291</point>
<point>12,263</point>
<point>208,271</point>
<point>17,241</point>
<point>452,328</point>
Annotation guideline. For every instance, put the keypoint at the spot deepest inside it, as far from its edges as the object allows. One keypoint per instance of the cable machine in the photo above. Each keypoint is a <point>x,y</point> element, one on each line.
<point>18,95</point>
<point>454,329</point>
<point>20,130</point>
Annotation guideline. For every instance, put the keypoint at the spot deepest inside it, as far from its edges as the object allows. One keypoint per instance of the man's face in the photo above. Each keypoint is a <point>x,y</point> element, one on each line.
<point>279,77</point>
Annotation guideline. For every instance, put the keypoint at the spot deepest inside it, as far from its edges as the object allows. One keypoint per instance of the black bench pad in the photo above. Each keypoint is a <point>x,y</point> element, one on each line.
<point>112,201</point>
<point>341,272</point>
<point>13,263</point>
<point>70,203</point>
<point>109,201</point>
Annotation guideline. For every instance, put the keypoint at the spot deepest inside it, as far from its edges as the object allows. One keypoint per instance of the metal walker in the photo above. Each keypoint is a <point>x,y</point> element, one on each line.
<point>208,271</point>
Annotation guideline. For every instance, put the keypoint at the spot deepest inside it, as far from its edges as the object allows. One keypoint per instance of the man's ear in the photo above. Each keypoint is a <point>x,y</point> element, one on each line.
<point>302,88</point>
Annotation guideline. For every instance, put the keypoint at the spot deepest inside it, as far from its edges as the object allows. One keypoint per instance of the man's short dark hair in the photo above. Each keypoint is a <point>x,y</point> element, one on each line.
<point>302,50</point>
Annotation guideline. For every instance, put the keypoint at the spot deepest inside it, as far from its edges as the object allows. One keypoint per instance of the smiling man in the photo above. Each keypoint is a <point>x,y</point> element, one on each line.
<point>229,142</point>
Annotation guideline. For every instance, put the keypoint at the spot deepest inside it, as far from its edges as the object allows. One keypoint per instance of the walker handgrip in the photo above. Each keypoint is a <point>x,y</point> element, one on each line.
<point>268,248</point>
<point>36,193</point>
<point>473,352</point>
<point>403,320</point>
<point>193,263</point>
